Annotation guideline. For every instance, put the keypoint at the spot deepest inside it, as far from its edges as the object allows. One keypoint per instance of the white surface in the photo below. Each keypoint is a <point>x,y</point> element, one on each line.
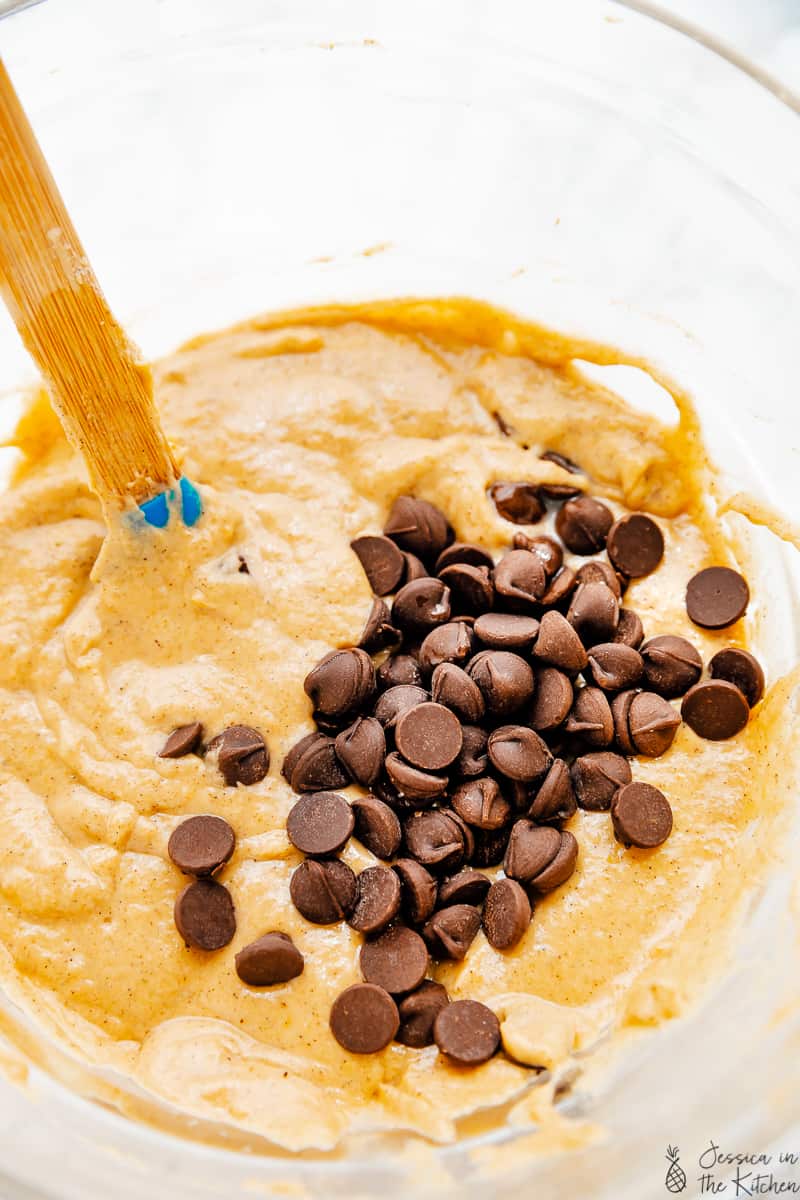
<point>766,31</point>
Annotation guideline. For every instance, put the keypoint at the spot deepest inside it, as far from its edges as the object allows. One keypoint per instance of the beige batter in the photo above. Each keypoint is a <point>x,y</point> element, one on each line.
<point>300,432</point>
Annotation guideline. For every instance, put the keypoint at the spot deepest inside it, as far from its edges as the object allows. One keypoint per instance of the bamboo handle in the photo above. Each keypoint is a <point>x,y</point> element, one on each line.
<point>102,393</point>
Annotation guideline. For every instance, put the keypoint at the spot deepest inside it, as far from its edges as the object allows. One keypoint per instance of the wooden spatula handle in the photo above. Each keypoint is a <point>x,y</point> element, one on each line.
<point>102,393</point>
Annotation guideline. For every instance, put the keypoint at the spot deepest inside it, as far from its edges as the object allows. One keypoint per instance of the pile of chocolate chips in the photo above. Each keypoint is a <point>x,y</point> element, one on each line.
<point>480,709</point>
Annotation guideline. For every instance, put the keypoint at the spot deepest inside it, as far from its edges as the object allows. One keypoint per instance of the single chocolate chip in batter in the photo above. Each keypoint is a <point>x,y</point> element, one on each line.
<point>418,890</point>
<point>518,502</point>
<point>641,816</point>
<point>382,561</point>
<point>181,741</point>
<point>361,749</point>
<point>364,1018</point>
<point>506,914</point>
<point>671,665</point>
<point>377,900</point>
<point>242,755</point>
<point>323,892</point>
<point>320,824</point>
<point>635,545</point>
<point>204,915</point>
<point>395,960</point>
<point>583,524</point>
<point>429,736</point>
<point>377,826</point>
<point>715,709</point>
<point>201,845</point>
<point>271,959</point>
<point>467,1032</point>
<point>716,597</point>
<point>518,753</point>
<point>341,682</point>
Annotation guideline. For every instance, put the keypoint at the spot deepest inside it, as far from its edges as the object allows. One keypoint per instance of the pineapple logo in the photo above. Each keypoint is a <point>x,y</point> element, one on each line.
<point>676,1176</point>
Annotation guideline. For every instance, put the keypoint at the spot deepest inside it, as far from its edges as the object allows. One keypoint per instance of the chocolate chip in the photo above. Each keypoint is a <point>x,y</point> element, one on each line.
<point>558,644</point>
<point>242,755</point>
<point>382,562</point>
<point>312,765</point>
<point>629,631</point>
<point>418,1012</point>
<point>420,605</point>
<point>323,892</point>
<point>451,931</point>
<point>641,816</point>
<point>518,502</point>
<point>506,631</point>
<point>204,915</point>
<point>505,680</point>
<point>520,581</point>
<point>271,959</point>
<point>378,632</point>
<point>740,668</point>
<point>452,687</point>
<point>716,597</point>
<point>506,914</point>
<point>552,700</point>
<point>377,900</point>
<point>613,666</point>
<point>597,571</point>
<point>652,723</point>
<point>559,869</point>
<point>546,549</point>
<point>200,845</point>
<point>364,1018</point>
<point>468,832</point>
<point>594,613</point>
<point>635,545</point>
<point>559,588</point>
<point>620,713</point>
<point>591,718</point>
<point>530,849</point>
<point>560,491</point>
<point>596,777</point>
<point>243,568</point>
<point>341,682</point>
<point>447,643</point>
<point>671,665</point>
<point>468,887</point>
<point>434,839</point>
<point>391,706</point>
<point>473,759</point>
<point>397,670</point>
<point>464,552</point>
<point>415,568</point>
<point>418,890</point>
<point>583,524</point>
<point>467,1032</point>
<point>418,527</point>
<point>429,736</point>
<point>480,802</point>
<point>413,783</point>
<point>518,753</point>
<point>182,741</point>
<point>320,823</point>
<point>471,588</point>
<point>396,960</point>
<point>555,799</point>
<point>715,710</point>
<point>490,846</point>
<point>361,749</point>
<point>377,827</point>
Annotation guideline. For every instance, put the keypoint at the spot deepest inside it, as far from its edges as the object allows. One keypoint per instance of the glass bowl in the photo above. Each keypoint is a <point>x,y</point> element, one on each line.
<point>579,163</point>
